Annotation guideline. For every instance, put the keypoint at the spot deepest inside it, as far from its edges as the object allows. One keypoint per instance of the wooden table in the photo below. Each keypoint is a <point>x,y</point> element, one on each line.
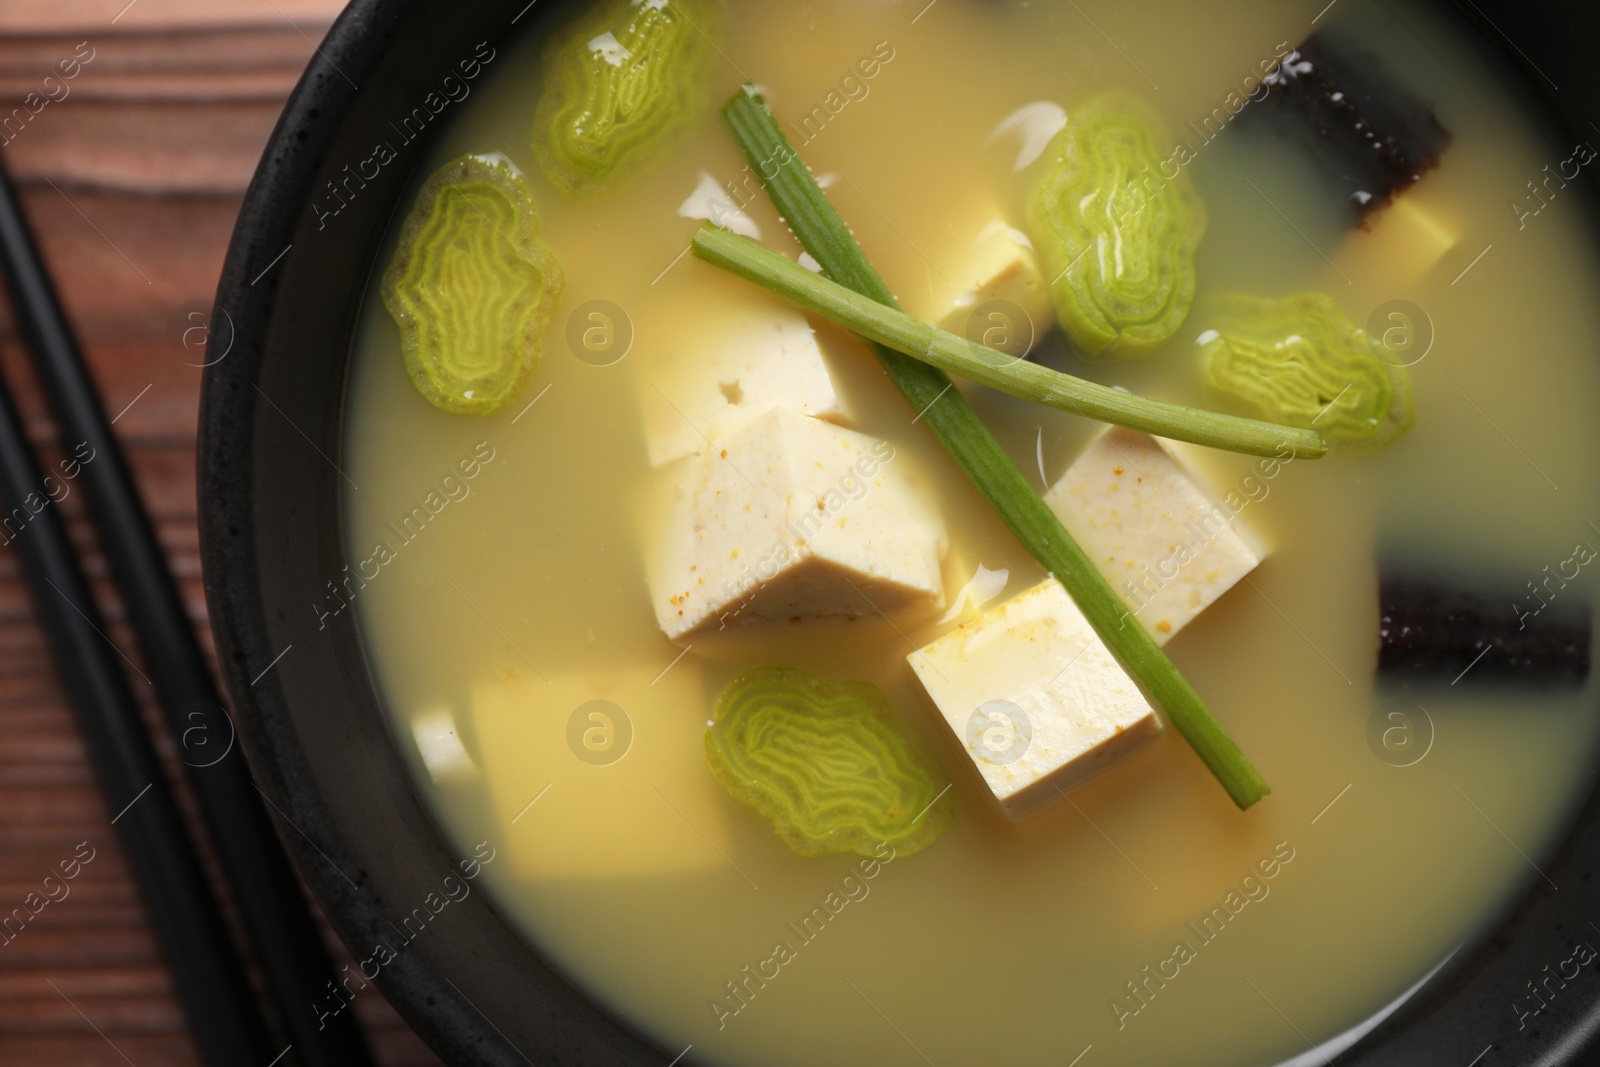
<point>132,174</point>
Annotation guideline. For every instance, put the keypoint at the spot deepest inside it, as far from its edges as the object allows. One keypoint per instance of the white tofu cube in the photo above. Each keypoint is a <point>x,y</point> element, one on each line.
<point>748,359</point>
<point>999,265</point>
<point>1167,547</point>
<point>1035,697</point>
<point>792,518</point>
<point>440,747</point>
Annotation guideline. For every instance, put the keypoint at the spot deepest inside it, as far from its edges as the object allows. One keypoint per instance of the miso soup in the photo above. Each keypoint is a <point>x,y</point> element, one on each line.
<point>513,570</point>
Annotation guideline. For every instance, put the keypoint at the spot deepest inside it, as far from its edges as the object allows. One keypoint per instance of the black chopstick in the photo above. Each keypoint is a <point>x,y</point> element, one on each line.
<point>282,932</point>
<point>206,968</point>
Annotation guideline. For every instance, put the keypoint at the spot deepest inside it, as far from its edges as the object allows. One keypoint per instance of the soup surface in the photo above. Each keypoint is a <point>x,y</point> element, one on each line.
<point>520,597</point>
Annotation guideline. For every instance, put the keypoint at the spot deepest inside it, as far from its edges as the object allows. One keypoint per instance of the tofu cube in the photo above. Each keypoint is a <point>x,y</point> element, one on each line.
<point>998,265</point>
<point>792,518</point>
<point>597,773</point>
<point>1401,242</point>
<point>1166,546</point>
<point>439,745</point>
<point>753,357</point>
<point>1036,699</point>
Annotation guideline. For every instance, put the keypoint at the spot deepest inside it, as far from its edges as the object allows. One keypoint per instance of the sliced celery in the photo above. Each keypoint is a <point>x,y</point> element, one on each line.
<point>472,287</point>
<point>1116,223</point>
<point>1299,360</point>
<point>828,763</point>
<point>619,84</point>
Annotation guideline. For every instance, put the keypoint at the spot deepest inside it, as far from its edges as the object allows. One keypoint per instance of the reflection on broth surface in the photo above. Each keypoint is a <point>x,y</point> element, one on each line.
<point>515,617</point>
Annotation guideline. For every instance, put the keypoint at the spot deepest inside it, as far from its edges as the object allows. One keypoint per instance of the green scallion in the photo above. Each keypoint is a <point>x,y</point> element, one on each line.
<point>947,351</point>
<point>946,413</point>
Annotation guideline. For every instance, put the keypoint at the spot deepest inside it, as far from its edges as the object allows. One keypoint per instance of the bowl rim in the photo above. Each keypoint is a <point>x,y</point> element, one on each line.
<point>258,293</point>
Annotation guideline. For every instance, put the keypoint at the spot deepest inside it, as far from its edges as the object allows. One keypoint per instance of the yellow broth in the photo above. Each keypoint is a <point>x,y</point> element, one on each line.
<point>521,597</point>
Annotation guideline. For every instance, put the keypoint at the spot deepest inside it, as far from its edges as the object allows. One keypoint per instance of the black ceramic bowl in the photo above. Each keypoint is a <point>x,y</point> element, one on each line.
<point>271,418</point>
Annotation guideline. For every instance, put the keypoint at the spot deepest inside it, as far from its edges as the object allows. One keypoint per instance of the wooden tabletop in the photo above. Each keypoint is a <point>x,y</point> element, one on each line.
<point>131,172</point>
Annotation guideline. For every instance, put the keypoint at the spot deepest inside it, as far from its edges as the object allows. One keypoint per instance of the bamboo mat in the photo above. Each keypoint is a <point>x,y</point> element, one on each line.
<point>132,178</point>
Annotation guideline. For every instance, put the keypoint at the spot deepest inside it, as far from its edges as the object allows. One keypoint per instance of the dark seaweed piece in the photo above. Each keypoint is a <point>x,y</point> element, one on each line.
<point>1438,635</point>
<point>1371,135</point>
